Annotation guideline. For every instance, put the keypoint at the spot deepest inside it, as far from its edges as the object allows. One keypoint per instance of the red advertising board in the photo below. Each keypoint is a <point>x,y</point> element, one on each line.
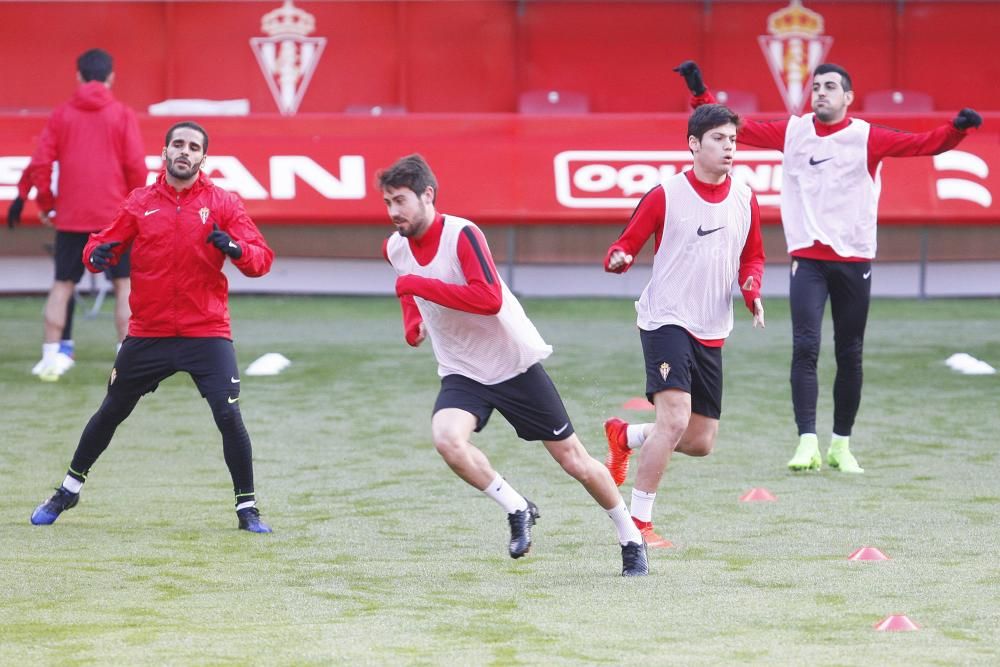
<point>523,169</point>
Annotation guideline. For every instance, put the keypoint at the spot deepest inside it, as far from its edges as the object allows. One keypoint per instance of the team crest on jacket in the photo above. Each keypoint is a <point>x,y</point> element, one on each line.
<point>203,214</point>
<point>664,370</point>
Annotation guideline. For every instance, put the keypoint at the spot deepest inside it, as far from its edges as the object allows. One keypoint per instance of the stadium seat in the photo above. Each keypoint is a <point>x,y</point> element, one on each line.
<point>376,109</point>
<point>740,101</point>
<point>552,102</point>
<point>882,101</point>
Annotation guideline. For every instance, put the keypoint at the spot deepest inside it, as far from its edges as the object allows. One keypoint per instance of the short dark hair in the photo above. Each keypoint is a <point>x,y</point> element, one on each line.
<point>710,116</point>
<point>411,172</point>
<point>192,125</point>
<point>94,65</point>
<point>845,78</point>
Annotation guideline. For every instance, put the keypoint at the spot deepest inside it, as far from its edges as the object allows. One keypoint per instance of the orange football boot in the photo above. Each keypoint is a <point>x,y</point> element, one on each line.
<point>618,449</point>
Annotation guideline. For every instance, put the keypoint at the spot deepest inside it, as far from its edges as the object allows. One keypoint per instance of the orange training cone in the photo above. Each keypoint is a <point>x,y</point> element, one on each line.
<point>896,623</point>
<point>867,553</point>
<point>637,403</point>
<point>757,495</point>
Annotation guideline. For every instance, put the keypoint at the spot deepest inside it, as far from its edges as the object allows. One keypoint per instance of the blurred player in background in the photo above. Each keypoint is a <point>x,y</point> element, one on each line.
<point>66,346</point>
<point>95,140</point>
<point>489,356</point>
<point>706,230</point>
<point>182,228</point>
<point>829,200</point>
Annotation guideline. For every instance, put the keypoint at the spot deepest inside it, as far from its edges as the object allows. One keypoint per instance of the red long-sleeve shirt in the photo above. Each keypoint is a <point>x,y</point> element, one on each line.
<point>883,142</point>
<point>650,214</point>
<point>480,295</point>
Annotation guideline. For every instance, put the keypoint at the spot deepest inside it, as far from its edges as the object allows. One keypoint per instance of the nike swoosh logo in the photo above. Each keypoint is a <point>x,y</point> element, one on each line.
<point>706,232</point>
<point>149,213</point>
<point>865,276</point>
<point>558,431</point>
<point>234,380</point>
<point>813,161</point>
<point>233,400</point>
<point>233,245</point>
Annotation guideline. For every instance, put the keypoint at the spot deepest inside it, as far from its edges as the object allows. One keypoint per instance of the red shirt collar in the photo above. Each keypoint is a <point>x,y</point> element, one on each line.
<point>432,236</point>
<point>825,130</point>
<point>710,192</point>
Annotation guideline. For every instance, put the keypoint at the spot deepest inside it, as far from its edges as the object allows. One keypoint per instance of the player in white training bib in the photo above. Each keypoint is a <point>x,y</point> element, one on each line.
<point>707,237</point>
<point>488,353</point>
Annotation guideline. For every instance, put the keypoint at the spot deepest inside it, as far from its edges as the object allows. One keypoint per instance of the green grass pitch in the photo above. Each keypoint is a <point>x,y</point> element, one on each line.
<point>381,555</point>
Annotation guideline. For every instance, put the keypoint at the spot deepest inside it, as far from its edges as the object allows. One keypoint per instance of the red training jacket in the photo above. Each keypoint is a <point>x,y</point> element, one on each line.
<point>95,138</point>
<point>178,288</point>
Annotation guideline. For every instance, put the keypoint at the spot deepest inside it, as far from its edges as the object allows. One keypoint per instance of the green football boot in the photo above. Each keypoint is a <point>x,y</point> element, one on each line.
<point>807,456</point>
<point>839,457</point>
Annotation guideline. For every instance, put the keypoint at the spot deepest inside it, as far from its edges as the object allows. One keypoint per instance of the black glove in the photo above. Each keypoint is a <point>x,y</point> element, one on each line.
<point>101,258</point>
<point>14,212</point>
<point>692,76</point>
<point>224,243</point>
<point>967,118</point>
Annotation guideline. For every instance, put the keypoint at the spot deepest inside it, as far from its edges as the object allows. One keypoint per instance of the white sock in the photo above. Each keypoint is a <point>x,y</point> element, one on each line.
<point>243,506</point>
<point>49,350</point>
<point>642,505</point>
<point>504,494</point>
<point>627,532</point>
<point>72,484</point>
<point>636,435</point>
<point>845,440</point>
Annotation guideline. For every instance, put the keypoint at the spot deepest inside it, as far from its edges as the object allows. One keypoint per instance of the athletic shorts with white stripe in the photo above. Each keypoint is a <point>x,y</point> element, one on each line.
<point>530,402</point>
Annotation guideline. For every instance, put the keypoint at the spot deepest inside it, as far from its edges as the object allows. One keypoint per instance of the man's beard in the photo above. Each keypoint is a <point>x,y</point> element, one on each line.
<point>177,173</point>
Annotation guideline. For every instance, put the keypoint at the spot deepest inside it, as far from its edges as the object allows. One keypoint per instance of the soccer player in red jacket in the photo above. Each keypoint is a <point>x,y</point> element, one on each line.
<point>489,356</point>
<point>706,230</point>
<point>829,199</point>
<point>181,230</point>
<point>96,141</point>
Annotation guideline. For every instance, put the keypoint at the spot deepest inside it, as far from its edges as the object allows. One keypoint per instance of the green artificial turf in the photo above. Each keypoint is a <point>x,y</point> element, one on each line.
<point>381,555</point>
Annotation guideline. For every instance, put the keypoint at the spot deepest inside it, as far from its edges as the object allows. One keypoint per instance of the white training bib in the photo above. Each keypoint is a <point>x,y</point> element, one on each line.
<point>486,348</point>
<point>827,193</point>
<point>697,262</point>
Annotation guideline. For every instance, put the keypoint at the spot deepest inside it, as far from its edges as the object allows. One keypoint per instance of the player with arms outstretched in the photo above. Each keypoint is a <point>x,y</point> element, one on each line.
<point>829,199</point>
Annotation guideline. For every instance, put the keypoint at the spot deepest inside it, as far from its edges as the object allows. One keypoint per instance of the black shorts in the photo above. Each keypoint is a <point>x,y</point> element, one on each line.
<point>69,258</point>
<point>675,360</point>
<point>143,363</point>
<point>529,401</point>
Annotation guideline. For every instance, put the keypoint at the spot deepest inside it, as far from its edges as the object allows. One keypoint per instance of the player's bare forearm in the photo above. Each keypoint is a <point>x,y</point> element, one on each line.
<point>758,313</point>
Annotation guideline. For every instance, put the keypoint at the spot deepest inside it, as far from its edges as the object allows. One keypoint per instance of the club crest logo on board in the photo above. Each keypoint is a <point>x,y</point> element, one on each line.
<point>795,47</point>
<point>288,56</point>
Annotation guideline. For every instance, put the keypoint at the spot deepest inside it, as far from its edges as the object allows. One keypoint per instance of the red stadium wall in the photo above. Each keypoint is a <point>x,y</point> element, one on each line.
<point>477,55</point>
<point>508,168</point>
<point>458,67</point>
